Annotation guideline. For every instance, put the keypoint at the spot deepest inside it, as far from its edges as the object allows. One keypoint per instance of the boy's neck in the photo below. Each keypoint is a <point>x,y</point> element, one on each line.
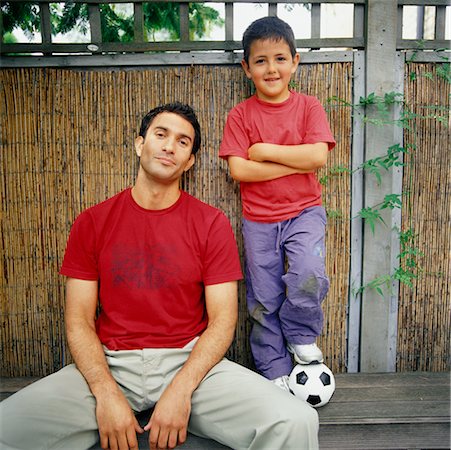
<point>279,99</point>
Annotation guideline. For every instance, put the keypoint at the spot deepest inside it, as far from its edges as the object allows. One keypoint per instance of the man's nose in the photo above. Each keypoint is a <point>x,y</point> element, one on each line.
<point>169,145</point>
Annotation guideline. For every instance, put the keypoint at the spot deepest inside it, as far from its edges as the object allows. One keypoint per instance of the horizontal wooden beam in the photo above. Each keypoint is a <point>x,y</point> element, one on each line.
<point>356,2</point>
<point>185,46</point>
<point>436,44</point>
<point>423,2</point>
<point>159,59</point>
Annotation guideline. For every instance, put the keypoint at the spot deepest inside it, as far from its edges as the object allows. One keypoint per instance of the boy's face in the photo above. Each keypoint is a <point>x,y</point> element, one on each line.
<point>270,68</point>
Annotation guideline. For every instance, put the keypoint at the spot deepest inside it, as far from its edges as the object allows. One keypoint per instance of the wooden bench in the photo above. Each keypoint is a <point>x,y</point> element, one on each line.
<point>387,411</point>
<point>368,411</point>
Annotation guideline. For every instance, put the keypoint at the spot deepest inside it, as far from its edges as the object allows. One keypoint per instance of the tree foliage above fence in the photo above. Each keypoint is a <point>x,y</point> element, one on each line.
<point>116,24</point>
<point>153,27</point>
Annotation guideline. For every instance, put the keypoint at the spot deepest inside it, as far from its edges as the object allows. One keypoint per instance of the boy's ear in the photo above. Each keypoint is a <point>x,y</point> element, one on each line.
<point>296,60</point>
<point>139,141</point>
<point>245,67</point>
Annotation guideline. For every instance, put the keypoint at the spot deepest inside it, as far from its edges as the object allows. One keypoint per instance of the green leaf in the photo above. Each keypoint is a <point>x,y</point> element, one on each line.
<point>392,201</point>
<point>371,216</point>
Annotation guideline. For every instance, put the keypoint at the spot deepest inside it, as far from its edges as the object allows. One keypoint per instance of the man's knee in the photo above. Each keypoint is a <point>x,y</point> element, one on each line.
<point>293,426</point>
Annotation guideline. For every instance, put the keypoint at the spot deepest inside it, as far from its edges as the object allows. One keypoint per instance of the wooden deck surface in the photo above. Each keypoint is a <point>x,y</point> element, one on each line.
<point>390,411</point>
<point>368,411</point>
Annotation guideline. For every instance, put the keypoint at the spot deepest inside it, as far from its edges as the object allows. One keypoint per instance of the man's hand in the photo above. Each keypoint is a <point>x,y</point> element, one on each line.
<point>117,423</point>
<point>168,424</point>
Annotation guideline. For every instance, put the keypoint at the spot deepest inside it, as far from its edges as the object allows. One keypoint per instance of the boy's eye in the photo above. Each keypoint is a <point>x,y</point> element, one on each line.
<point>183,142</point>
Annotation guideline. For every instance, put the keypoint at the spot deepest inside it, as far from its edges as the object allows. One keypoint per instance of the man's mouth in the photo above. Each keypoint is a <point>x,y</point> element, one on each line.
<point>165,160</point>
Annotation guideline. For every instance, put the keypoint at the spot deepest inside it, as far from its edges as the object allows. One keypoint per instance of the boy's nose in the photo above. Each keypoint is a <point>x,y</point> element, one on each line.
<point>271,67</point>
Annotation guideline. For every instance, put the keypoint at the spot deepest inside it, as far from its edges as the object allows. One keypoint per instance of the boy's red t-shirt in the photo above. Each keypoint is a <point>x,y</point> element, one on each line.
<point>299,120</point>
<point>152,267</point>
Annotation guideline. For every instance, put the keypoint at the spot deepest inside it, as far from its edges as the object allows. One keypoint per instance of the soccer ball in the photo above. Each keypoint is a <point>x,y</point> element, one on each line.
<point>314,383</point>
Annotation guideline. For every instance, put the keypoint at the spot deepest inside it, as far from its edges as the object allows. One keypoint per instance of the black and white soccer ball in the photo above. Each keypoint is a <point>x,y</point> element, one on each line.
<point>314,383</point>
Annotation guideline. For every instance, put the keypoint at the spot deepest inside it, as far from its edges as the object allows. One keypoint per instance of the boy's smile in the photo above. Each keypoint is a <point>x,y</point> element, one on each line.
<point>270,68</point>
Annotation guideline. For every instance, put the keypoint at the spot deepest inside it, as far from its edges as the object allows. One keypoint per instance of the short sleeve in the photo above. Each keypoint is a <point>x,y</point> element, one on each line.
<point>221,262</point>
<point>317,126</point>
<point>80,257</point>
<point>235,140</point>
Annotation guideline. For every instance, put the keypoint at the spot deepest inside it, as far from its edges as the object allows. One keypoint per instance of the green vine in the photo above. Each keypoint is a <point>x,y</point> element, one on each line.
<point>380,106</point>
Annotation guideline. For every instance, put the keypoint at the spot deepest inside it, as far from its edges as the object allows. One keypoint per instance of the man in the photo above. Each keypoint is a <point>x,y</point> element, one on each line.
<point>164,267</point>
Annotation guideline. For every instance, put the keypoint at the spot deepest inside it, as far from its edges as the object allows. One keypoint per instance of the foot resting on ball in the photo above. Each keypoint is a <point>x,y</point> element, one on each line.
<point>282,382</point>
<point>306,353</point>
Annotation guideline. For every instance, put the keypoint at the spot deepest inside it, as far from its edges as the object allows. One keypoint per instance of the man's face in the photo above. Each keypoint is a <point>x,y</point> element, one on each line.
<point>165,152</point>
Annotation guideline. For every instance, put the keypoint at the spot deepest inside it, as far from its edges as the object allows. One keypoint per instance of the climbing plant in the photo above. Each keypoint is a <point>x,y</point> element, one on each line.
<point>380,106</point>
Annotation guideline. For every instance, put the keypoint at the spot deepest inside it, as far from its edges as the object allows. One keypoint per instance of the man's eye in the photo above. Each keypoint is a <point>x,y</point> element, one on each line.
<point>184,143</point>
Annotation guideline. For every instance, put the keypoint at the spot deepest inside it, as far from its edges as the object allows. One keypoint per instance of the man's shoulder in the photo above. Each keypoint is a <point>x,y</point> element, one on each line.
<point>200,204</point>
<point>105,206</point>
<point>203,210</point>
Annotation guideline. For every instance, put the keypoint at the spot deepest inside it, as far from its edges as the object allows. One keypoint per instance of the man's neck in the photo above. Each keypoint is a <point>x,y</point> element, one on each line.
<point>155,197</point>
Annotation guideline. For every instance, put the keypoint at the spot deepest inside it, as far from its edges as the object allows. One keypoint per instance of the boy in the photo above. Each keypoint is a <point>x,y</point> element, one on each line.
<point>274,142</point>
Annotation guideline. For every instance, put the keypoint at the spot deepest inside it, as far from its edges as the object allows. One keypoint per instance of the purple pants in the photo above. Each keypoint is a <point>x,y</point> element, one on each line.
<point>285,285</point>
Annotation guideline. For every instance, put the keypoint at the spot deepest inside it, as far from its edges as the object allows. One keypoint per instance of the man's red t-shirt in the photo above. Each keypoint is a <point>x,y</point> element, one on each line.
<point>299,120</point>
<point>152,267</point>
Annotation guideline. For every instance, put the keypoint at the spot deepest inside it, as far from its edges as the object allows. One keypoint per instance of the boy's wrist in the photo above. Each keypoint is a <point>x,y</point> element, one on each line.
<point>257,152</point>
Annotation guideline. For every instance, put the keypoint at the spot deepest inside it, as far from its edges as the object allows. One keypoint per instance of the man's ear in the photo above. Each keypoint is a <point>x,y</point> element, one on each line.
<point>189,163</point>
<point>139,142</point>
<point>245,67</point>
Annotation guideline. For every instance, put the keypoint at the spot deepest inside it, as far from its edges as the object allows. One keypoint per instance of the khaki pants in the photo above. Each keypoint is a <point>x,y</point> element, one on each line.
<point>232,405</point>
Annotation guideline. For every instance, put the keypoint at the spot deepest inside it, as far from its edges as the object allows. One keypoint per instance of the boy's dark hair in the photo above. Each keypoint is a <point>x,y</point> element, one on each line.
<point>268,28</point>
<point>182,110</point>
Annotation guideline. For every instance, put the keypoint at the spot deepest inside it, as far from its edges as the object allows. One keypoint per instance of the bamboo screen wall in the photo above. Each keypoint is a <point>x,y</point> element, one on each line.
<point>67,144</point>
<point>424,311</point>
<point>67,139</point>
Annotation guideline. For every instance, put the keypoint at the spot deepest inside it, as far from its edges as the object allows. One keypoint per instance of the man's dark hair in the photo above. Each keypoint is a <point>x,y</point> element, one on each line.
<point>271,28</point>
<point>182,110</point>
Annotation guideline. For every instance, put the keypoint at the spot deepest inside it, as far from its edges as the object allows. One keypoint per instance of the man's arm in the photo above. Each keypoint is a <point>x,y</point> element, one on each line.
<point>116,421</point>
<point>247,170</point>
<point>169,421</point>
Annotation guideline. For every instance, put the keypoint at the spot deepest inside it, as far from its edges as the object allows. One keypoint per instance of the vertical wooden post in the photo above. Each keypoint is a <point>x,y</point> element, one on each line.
<point>272,9</point>
<point>315,31</point>
<point>138,22</point>
<point>440,22</point>
<point>1,26</point>
<point>381,248</point>
<point>95,23</point>
<point>184,22</point>
<point>46,30</point>
<point>358,142</point>
<point>229,21</point>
